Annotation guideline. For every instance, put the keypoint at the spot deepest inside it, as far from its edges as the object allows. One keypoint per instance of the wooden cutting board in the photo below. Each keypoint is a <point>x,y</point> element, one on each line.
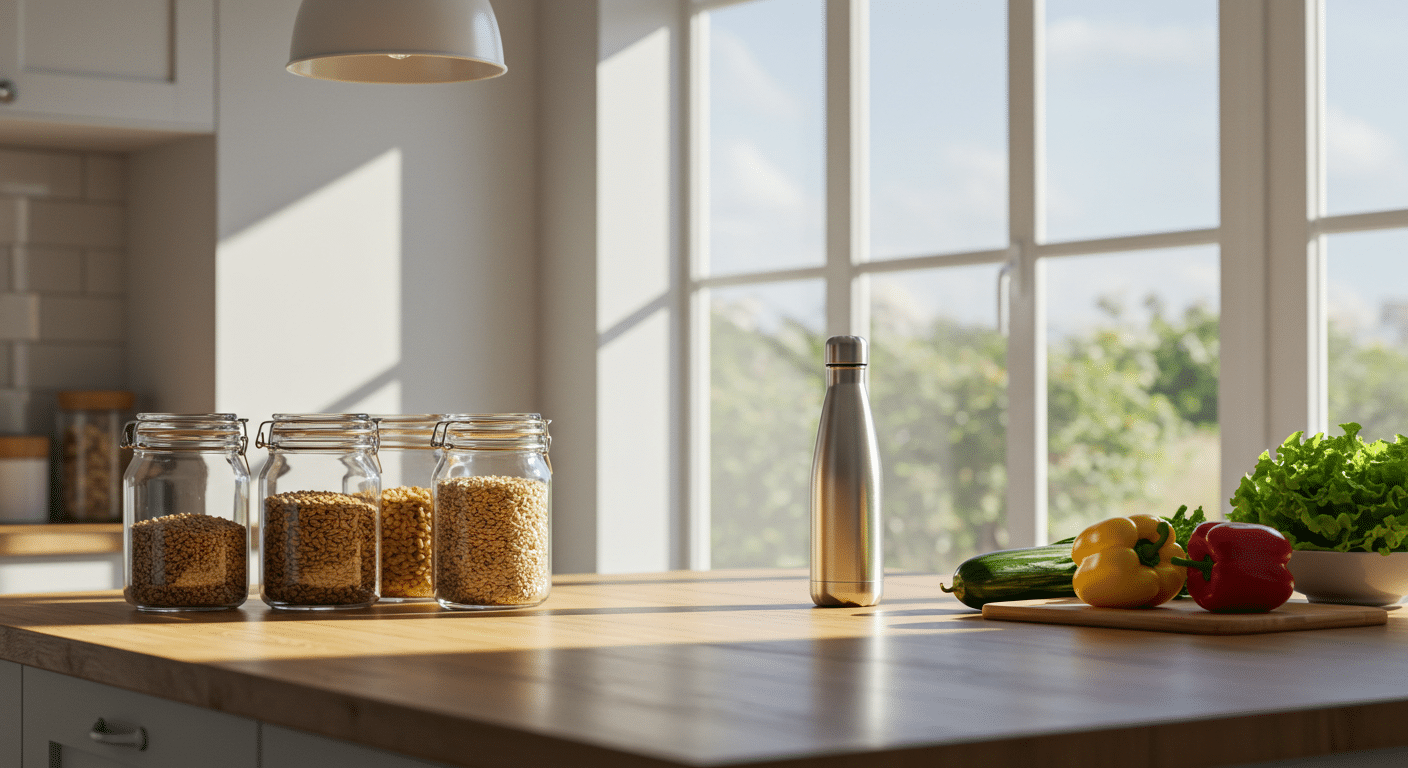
<point>1186,616</point>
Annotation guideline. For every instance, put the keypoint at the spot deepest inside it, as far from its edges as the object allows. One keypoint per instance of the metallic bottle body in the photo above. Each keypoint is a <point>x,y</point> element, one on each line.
<point>847,565</point>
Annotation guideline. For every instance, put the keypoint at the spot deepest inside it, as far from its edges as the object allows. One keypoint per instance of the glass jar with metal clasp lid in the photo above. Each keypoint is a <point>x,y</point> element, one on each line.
<point>493,512</point>
<point>408,461</point>
<point>185,508</point>
<point>320,492</point>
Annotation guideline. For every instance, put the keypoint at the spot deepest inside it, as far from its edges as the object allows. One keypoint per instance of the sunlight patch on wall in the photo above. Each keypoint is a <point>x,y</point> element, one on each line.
<point>320,283</point>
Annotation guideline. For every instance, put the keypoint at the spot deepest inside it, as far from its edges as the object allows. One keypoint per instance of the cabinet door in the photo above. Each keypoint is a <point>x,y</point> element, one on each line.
<point>9,715</point>
<point>122,63</point>
<point>285,748</point>
<point>61,711</point>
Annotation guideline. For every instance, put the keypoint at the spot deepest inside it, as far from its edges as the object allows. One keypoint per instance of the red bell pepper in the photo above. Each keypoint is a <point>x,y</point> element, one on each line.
<point>1238,567</point>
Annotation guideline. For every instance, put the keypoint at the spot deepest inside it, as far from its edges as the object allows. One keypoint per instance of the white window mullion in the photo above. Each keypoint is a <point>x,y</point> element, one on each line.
<point>1026,343</point>
<point>695,334</point>
<point>847,166</point>
<point>1295,277</point>
<point>1243,395</point>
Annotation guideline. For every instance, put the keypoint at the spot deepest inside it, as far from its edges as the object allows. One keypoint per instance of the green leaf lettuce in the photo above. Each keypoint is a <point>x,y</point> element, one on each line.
<point>1331,493</point>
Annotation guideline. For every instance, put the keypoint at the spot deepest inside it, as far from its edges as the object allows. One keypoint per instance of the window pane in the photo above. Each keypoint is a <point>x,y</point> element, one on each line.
<point>1131,117</point>
<point>1368,308</point>
<point>1366,123</point>
<point>766,387</point>
<point>1132,385</point>
<point>938,388</point>
<point>766,180</point>
<point>938,126</point>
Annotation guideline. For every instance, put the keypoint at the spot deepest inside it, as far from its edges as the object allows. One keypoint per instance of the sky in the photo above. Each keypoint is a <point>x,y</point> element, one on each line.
<point>1366,138</point>
<point>1131,125</point>
<point>1131,148</point>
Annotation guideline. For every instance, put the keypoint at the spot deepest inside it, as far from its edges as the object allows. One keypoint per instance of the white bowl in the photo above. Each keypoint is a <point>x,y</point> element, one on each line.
<point>1357,578</point>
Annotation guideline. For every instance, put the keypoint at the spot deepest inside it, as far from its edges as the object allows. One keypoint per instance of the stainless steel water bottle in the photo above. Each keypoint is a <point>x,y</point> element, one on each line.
<point>846,553</point>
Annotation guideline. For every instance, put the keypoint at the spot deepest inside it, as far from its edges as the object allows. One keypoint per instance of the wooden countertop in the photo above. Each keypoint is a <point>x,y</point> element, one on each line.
<point>60,538</point>
<point>704,669</point>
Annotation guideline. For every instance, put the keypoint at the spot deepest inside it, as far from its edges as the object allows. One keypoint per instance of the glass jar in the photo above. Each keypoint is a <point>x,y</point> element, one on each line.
<point>407,474</point>
<point>185,510</point>
<point>24,479</point>
<point>493,512</point>
<point>319,492</point>
<point>91,458</point>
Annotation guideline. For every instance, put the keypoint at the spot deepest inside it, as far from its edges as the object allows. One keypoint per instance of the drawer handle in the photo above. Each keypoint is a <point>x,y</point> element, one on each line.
<point>104,735</point>
<point>8,91</point>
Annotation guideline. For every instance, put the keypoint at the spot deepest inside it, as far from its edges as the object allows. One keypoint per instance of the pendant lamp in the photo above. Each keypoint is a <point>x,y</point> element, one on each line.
<point>396,41</point>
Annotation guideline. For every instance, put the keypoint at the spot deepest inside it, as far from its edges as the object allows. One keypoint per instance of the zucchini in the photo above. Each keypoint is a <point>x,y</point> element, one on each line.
<point>1015,574</point>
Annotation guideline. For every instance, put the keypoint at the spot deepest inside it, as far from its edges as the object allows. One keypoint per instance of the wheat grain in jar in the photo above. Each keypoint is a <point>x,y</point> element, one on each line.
<point>185,501</point>
<point>493,512</point>
<point>320,500</point>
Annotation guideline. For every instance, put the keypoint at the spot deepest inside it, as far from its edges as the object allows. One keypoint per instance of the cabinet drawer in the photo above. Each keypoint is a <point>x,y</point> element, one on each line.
<point>286,748</point>
<point>60,712</point>
<point>9,714</point>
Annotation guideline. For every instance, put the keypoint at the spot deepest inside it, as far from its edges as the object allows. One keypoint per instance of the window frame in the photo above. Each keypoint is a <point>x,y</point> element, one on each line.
<point>1273,363</point>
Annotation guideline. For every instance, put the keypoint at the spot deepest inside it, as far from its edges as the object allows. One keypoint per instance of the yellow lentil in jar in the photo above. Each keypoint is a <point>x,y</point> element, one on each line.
<point>405,542</point>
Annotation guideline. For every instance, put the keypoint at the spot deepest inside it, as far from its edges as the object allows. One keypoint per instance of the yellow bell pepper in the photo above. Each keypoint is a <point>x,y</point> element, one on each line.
<point>1124,562</point>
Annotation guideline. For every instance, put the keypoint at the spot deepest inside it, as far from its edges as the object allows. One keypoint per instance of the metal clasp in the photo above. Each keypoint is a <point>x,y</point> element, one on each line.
<point>547,444</point>
<point>440,434</point>
<point>259,441</point>
<point>129,435</point>
<point>244,435</point>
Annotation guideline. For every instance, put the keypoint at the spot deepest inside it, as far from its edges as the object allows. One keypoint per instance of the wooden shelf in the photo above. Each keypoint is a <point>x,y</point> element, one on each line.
<point>60,539</point>
<point>738,668</point>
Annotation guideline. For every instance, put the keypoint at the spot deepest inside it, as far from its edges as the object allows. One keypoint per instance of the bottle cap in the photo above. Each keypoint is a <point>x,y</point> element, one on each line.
<point>847,350</point>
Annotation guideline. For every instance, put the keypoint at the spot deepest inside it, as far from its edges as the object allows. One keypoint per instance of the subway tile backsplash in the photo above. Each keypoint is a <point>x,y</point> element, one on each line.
<point>62,266</point>
<point>41,174</point>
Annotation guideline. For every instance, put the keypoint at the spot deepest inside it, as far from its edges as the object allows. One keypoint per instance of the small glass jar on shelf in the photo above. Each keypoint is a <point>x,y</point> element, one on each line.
<point>319,492</point>
<point>91,458</point>
<point>24,478</point>
<point>493,512</point>
<point>186,512</point>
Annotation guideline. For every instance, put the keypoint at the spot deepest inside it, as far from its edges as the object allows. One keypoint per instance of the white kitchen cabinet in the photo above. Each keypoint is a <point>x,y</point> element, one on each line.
<point>140,64</point>
<point>10,707</point>
<point>285,748</point>
<point>61,711</point>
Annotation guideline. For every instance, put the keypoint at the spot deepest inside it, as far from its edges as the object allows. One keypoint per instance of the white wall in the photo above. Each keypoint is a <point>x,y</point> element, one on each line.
<point>611,234</point>
<point>377,243</point>
<point>567,221</point>
<point>637,305</point>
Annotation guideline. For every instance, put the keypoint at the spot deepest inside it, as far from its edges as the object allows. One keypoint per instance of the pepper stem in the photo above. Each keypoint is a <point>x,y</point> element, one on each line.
<point>1148,551</point>
<point>1204,565</point>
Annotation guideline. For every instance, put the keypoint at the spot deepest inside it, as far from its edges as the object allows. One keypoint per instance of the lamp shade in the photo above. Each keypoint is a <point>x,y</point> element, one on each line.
<point>396,41</point>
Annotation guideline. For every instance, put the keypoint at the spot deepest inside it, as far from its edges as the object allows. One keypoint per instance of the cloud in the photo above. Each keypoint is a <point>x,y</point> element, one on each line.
<point>762,217</point>
<point>752,180</point>
<point>1350,310</point>
<point>1080,41</point>
<point>739,74</point>
<point>1358,147</point>
<point>914,215</point>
